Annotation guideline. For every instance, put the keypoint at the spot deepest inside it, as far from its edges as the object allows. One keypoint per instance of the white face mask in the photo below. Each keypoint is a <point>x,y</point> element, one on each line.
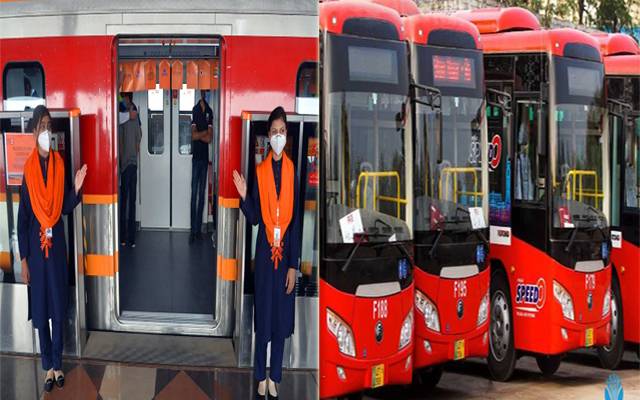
<point>44,141</point>
<point>277,142</point>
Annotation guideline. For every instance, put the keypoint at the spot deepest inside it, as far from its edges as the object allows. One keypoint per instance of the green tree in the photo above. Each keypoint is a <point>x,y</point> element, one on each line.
<point>612,15</point>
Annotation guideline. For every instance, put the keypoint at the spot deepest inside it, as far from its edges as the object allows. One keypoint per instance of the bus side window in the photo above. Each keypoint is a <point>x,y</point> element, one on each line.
<point>23,86</point>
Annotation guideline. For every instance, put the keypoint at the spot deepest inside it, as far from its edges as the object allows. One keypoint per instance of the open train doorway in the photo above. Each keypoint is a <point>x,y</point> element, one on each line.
<point>167,256</point>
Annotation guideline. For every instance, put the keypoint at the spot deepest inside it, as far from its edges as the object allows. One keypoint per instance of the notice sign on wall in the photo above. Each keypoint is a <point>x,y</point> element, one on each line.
<point>18,148</point>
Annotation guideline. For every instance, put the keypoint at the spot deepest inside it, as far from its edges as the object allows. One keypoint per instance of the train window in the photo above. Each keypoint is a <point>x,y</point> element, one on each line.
<point>307,101</point>
<point>155,142</point>
<point>307,81</point>
<point>184,134</point>
<point>187,99</point>
<point>23,86</point>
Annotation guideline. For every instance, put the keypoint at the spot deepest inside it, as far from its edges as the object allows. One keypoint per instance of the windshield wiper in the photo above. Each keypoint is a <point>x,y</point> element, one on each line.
<point>571,239</point>
<point>432,252</point>
<point>362,237</point>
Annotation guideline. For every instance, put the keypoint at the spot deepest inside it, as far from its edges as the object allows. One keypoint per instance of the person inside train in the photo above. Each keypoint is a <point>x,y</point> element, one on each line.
<point>129,136</point>
<point>201,135</point>
<point>45,195</point>
<point>271,203</point>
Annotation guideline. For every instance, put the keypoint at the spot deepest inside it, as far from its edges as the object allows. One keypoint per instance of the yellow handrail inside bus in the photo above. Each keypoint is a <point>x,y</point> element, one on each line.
<point>446,175</point>
<point>575,186</point>
<point>377,175</point>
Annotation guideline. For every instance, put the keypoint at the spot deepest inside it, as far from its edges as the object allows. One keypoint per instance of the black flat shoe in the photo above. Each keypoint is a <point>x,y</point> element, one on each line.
<point>260,397</point>
<point>48,385</point>
<point>60,381</point>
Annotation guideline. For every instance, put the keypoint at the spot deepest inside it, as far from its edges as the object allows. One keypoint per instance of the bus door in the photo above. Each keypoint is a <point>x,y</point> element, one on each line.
<point>529,212</point>
<point>17,335</point>
<point>499,116</point>
<point>624,125</point>
<point>302,149</point>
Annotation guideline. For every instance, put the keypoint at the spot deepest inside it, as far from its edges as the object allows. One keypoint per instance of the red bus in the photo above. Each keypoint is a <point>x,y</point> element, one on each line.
<point>366,283</point>
<point>549,193</point>
<point>450,180</point>
<point>622,71</point>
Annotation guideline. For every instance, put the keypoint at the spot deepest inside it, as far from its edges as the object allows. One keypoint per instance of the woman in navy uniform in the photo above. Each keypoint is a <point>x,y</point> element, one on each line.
<point>272,203</point>
<point>45,195</point>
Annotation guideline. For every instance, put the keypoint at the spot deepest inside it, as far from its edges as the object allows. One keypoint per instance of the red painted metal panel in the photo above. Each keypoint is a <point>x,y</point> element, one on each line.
<point>334,14</point>
<point>494,20</point>
<point>418,27</point>
<point>622,65</point>
<point>403,7</point>
<point>79,72</point>
<point>257,74</point>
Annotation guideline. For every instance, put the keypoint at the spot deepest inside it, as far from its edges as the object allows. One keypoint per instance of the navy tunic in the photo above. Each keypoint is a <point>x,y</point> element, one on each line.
<point>274,308</point>
<point>49,277</point>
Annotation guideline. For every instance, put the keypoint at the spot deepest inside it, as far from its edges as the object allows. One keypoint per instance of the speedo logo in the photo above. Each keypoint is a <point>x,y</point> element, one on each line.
<point>531,294</point>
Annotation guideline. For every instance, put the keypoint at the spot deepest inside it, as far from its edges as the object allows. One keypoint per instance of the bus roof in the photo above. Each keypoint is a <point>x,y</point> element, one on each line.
<point>420,29</point>
<point>623,65</point>
<point>565,42</point>
<point>350,16</point>
<point>496,20</point>
<point>404,7</point>
<point>616,44</point>
<point>75,7</point>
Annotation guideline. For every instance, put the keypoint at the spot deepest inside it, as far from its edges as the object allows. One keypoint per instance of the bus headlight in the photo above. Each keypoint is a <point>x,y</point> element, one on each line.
<point>429,310</point>
<point>406,332</point>
<point>483,310</point>
<point>564,298</point>
<point>342,332</point>
<point>606,305</point>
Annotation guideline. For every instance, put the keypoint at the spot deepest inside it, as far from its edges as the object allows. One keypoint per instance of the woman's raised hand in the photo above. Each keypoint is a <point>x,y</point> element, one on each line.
<point>241,184</point>
<point>80,175</point>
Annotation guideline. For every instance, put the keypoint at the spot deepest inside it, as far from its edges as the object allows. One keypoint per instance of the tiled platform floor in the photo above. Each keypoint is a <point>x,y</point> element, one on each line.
<point>22,377</point>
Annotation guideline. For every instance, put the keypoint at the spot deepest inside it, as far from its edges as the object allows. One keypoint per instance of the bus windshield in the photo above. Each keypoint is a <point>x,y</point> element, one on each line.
<point>579,190</point>
<point>448,174</point>
<point>366,190</point>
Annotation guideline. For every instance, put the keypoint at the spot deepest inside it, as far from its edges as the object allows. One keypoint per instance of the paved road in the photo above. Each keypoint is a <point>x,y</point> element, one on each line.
<point>579,377</point>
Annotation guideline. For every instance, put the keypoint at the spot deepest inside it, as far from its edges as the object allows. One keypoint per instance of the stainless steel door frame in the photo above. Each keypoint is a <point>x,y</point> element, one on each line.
<point>301,348</point>
<point>16,333</point>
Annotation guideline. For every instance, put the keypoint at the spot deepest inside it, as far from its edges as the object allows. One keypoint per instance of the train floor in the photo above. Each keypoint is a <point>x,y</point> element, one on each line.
<point>165,273</point>
<point>579,377</point>
<point>22,377</point>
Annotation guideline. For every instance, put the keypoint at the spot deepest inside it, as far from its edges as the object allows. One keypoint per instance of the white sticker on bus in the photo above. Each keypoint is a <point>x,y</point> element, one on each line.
<point>616,239</point>
<point>500,235</point>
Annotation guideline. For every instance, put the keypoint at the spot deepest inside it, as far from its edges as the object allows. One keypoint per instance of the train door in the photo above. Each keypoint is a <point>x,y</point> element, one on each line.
<point>302,148</point>
<point>166,275</point>
<point>17,334</point>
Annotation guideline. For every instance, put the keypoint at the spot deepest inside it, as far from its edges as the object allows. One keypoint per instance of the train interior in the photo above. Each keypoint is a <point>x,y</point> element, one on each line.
<point>167,275</point>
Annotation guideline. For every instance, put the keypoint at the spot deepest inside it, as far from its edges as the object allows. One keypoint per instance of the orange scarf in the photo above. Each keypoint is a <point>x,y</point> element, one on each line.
<point>276,211</point>
<point>46,199</point>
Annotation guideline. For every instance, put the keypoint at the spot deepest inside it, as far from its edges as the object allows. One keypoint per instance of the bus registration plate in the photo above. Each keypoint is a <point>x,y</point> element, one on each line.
<point>588,337</point>
<point>377,376</point>
<point>458,350</point>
